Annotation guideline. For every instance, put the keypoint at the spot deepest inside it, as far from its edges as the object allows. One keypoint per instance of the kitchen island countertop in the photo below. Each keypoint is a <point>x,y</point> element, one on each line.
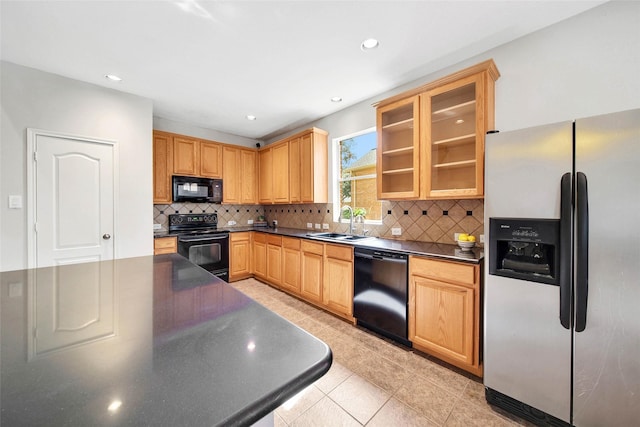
<point>144,341</point>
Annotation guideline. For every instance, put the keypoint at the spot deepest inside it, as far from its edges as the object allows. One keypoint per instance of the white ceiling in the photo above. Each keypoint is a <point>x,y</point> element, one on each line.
<point>211,63</point>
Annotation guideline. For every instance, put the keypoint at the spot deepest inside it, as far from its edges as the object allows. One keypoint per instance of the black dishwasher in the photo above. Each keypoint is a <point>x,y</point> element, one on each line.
<point>380,292</point>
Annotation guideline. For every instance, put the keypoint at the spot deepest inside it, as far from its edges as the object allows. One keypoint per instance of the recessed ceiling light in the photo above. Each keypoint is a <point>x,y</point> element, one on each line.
<point>113,77</point>
<point>336,99</point>
<point>114,406</point>
<point>369,44</point>
<point>251,117</point>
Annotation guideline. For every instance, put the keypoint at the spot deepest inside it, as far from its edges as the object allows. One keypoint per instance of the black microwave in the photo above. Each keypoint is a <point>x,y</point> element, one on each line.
<point>191,189</point>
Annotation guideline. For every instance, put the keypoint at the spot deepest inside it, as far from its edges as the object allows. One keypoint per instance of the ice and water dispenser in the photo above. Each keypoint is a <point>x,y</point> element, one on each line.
<point>525,248</point>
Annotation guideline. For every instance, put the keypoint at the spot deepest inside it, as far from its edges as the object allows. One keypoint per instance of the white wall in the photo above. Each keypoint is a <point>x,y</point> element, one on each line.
<point>167,125</point>
<point>584,66</point>
<point>35,99</point>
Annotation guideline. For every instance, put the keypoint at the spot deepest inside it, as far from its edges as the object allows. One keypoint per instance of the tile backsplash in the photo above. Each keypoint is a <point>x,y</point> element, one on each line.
<point>238,213</point>
<point>427,221</point>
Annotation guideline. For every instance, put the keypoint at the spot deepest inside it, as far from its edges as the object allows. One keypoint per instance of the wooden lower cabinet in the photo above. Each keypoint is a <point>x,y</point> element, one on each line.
<point>312,254</point>
<point>337,290</point>
<point>444,311</point>
<point>165,245</point>
<point>291,262</point>
<point>320,273</point>
<point>274,259</point>
<point>239,256</point>
<point>260,255</point>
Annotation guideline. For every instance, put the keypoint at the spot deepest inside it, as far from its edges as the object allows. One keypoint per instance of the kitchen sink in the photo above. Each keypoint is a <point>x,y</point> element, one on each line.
<point>340,237</point>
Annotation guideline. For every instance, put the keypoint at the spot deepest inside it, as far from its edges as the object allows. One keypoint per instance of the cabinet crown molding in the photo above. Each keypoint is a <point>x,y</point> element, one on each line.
<point>487,66</point>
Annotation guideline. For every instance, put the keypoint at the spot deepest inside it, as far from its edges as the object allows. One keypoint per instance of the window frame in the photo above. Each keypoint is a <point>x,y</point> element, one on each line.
<point>336,178</point>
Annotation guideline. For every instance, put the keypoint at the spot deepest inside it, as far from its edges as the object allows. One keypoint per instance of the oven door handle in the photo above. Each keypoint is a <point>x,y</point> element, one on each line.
<point>202,239</point>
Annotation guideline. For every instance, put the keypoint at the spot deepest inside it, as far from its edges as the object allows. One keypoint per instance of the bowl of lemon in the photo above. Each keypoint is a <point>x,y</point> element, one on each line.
<point>466,241</point>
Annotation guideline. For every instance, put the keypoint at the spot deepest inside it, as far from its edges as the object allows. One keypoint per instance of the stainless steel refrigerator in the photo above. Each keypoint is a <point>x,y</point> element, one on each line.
<point>562,276</point>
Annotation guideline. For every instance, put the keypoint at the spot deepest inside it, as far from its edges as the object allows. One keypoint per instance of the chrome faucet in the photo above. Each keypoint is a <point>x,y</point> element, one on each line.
<point>345,207</point>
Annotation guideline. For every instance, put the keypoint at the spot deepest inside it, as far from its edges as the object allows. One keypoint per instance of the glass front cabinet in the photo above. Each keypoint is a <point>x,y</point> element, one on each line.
<point>398,153</point>
<point>431,140</point>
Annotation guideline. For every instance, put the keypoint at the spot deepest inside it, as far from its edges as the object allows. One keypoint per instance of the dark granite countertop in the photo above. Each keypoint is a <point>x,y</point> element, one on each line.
<point>162,338</point>
<point>429,249</point>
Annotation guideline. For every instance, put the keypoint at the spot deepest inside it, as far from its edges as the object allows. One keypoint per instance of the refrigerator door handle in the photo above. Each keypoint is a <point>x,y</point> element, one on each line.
<point>566,205</point>
<point>582,251</point>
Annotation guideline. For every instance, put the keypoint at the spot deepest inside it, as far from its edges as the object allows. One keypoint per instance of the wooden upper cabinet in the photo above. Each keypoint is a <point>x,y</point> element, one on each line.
<point>231,175</point>
<point>210,159</point>
<point>265,183</point>
<point>454,139</point>
<point>162,167</point>
<point>294,170</point>
<point>314,164</point>
<point>239,175</point>
<point>431,139</point>
<point>248,178</point>
<point>398,153</point>
<point>274,173</point>
<point>194,157</point>
<point>281,173</point>
<point>186,156</point>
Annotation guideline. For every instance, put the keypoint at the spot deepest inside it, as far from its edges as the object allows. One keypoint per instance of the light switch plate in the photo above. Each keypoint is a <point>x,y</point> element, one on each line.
<point>396,231</point>
<point>15,202</point>
<point>317,226</point>
<point>325,226</point>
<point>157,227</point>
<point>482,238</point>
<point>232,223</point>
<point>250,221</point>
<point>309,225</point>
<point>455,236</point>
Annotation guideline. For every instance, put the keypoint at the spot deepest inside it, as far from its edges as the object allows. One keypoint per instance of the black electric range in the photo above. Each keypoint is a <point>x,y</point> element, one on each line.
<point>200,241</point>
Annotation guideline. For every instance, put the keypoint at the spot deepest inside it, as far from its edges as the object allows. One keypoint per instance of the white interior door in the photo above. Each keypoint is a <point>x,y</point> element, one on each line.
<point>74,199</point>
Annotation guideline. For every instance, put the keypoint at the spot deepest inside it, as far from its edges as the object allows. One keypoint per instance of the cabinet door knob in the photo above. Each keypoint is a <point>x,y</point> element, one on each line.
<point>106,236</point>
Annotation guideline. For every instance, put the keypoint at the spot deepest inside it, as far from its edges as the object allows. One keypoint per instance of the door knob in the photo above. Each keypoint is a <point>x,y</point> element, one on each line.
<point>106,236</point>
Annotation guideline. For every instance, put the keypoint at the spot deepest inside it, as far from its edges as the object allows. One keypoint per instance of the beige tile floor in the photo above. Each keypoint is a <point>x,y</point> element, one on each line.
<point>372,381</point>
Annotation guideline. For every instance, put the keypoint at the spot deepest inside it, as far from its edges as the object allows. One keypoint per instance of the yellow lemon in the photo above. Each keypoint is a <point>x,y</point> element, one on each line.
<point>463,237</point>
<point>471,238</point>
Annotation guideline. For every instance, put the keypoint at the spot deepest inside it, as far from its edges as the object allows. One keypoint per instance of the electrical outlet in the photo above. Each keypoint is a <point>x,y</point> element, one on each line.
<point>455,236</point>
<point>396,231</point>
<point>250,221</point>
<point>232,223</point>
<point>157,227</point>
<point>325,226</point>
<point>317,226</point>
<point>309,225</point>
<point>482,238</point>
